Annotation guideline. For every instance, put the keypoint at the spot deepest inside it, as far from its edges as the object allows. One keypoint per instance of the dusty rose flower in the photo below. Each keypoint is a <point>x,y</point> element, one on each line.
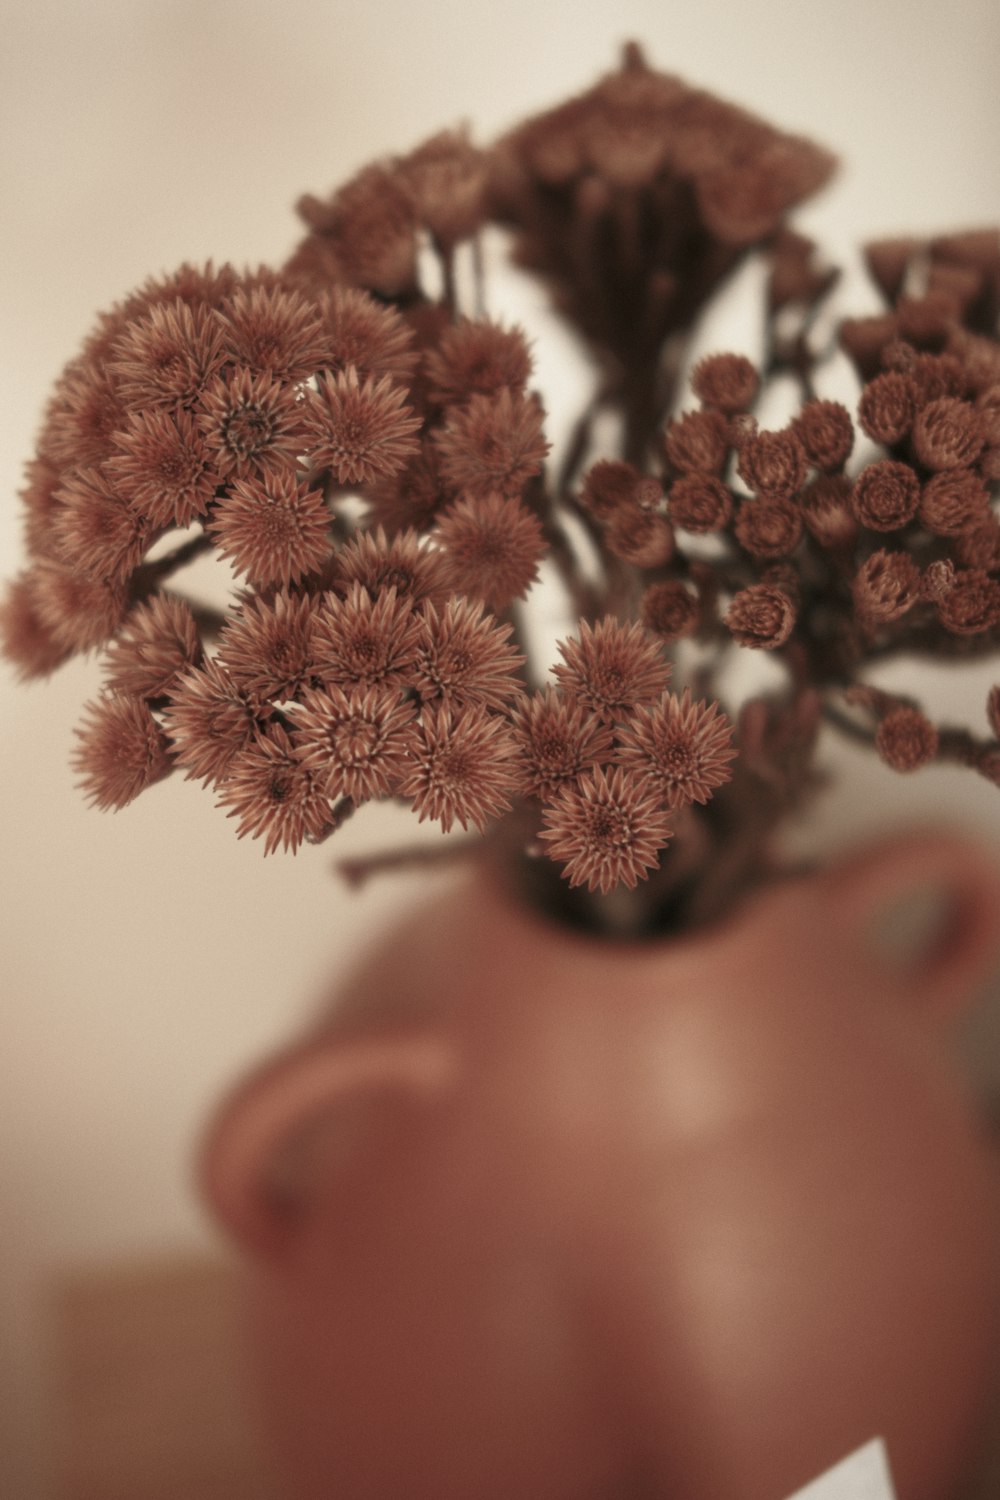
<point>827,512</point>
<point>356,742</point>
<point>41,507</point>
<point>166,358</point>
<point>274,331</point>
<point>761,616</point>
<point>77,611</point>
<point>683,747</point>
<point>358,331</point>
<point>477,359</point>
<point>700,504</point>
<point>728,382</point>
<point>493,444</point>
<point>364,234</point>
<point>972,604</point>
<point>446,177</point>
<point>947,434</point>
<point>954,501</point>
<point>463,656</point>
<point>86,411</point>
<point>26,640</point>
<point>606,829</point>
<point>274,796</point>
<point>697,443</point>
<point>609,486</point>
<point>886,585</point>
<point>413,496</point>
<point>359,641</point>
<point>493,545</point>
<point>557,739</point>
<point>96,531</point>
<point>669,610</point>
<point>612,667</point>
<point>886,496</point>
<point>826,432</point>
<point>640,537</point>
<point>772,464</point>
<point>934,375</point>
<point>209,720</point>
<point>267,646</point>
<point>887,407</point>
<point>360,430</point>
<point>403,562</point>
<point>159,643</point>
<point>121,751</point>
<point>980,547</point>
<point>163,467</point>
<point>906,739</point>
<point>250,422</point>
<point>272,528</point>
<point>769,528</point>
<point>462,766</point>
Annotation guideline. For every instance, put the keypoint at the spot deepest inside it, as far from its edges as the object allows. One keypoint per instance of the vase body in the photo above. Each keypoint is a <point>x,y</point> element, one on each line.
<point>543,1215</point>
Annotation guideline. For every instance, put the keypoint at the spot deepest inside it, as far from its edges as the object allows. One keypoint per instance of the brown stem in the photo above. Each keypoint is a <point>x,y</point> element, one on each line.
<point>148,576</point>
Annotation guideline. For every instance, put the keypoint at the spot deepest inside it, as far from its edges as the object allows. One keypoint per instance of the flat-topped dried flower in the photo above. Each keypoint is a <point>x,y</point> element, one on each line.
<point>463,656</point>
<point>358,641</point>
<point>167,357</point>
<point>357,742</point>
<point>163,467</point>
<point>361,430</point>
<point>250,422</point>
<point>273,795</point>
<point>669,609</point>
<point>772,463</point>
<point>683,747</point>
<point>267,645</point>
<point>493,444</point>
<point>274,331</point>
<point>769,527</point>
<point>729,382</point>
<point>461,766</point>
<point>446,179</point>
<point>606,829</point>
<point>121,751</point>
<point>953,501</point>
<point>761,616</point>
<point>272,527</point>
<point>640,537</point>
<point>906,739</point>
<point>886,495</point>
<point>363,234</point>
<point>209,720</point>
<point>477,358</point>
<point>86,410</point>
<point>972,604</point>
<point>826,432</point>
<point>700,503</point>
<point>608,486</point>
<point>413,495</point>
<point>612,667</point>
<point>557,739</point>
<point>885,586</point>
<point>492,545</point>
<point>697,443</point>
<point>95,530</point>
<point>404,562</point>
<point>159,643</point>
<point>373,337</point>
<point>947,434</point>
<point>888,406</point>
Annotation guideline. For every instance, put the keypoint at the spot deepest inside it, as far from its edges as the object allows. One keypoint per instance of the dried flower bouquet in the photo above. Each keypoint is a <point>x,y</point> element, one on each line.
<point>358,442</point>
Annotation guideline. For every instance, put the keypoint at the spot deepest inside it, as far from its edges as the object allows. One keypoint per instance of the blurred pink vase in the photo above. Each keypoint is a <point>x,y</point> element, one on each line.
<point>539,1216</point>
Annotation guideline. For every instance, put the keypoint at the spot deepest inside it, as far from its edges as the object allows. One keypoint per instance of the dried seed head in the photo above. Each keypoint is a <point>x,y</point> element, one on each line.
<point>886,585</point>
<point>700,503</point>
<point>761,616</point>
<point>947,434</point>
<point>669,610</point>
<point>825,430</point>
<point>773,464</point>
<point>906,739</point>
<point>887,407</point>
<point>728,382</point>
<point>886,495</point>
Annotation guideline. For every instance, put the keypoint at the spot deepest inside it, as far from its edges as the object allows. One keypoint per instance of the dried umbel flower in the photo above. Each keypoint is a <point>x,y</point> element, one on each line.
<point>606,829</point>
<point>761,616</point>
<point>364,449</point>
<point>906,739</point>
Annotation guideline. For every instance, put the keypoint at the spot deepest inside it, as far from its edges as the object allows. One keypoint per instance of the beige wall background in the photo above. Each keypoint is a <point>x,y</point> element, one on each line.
<point>148,956</point>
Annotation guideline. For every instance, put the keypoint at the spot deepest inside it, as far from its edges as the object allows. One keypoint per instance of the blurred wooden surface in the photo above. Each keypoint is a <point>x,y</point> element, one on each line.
<point>148,1389</point>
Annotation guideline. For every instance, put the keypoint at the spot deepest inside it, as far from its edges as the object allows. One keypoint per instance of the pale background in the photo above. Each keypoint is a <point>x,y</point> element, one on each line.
<point>148,957</point>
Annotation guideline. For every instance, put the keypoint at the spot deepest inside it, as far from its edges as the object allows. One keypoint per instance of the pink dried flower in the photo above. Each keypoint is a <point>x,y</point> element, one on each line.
<point>640,537</point>
<point>359,641</point>
<point>947,434</point>
<point>697,443</point>
<point>557,739</point>
<point>121,752</point>
<point>357,742</point>
<point>167,357</point>
<point>669,610</point>
<point>887,407</point>
<point>761,616</point>
<point>954,501</point>
<point>906,739</point>
<point>267,646</point>
<point>360,430</point>
<point>372,337</point>
<point>274,331</point>
<point>272,528</point>
<point>700,504</point>
<point>26,640</point>
<point>728,382</point>
<point>413,496</point>
<point>403,562</point>
<point>972,604</point>
<point>209,720</point>
<point>773,464</point>
<point>274,796</point>
<point>608,486</point>
<point>446,178</point>
<point>86,410</point>
<point>250,422</point>
<point>462,766</point>
<point>769,527</point>
<point>886,585</point>
<point>159,643</point>
<point>163,467</point>
<point>886,496</point>
<point>684,748</point>
<point>612,667</point>
<point>95,530</point>
<point>493,444</point>
<point>826,432</point>
<point>463,656</point>
<point>606,829</point>
<point>493,545</point>
<point>477,359</point>
<point>77,611</point>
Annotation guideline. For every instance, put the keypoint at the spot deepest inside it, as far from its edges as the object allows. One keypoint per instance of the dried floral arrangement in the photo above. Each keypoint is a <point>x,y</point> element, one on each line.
<point>358,443</point>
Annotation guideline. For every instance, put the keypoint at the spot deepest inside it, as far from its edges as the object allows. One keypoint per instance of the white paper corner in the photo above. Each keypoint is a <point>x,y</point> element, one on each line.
<point>863,1475</point>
